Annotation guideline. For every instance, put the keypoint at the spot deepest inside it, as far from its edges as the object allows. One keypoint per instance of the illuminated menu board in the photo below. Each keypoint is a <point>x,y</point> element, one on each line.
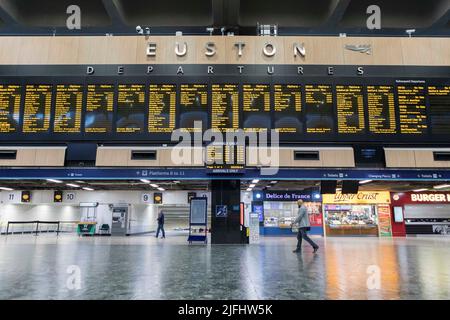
<point>225,107</point>
<point>256,106</point>
<point>439,111</point>
<point>68,106</point>
<point>287,101</point>
<point>37,108</point>
<point>350,109</point>
<point>10,96</point>
<point>381,109</point>
<point>319,108</point>
<point>162,108</point>
<point>193,107</point>
<point>130,108</point>
<point>412,109</point>
<point>98,114</point>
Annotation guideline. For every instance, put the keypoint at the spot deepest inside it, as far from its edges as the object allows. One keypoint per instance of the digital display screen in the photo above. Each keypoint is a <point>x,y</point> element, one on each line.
<point>10,97</point>
<point>350,109</point>
<point>130,108</point>
<point>439,111</point>
<point>68,108</point>
<point>319,109</point>
<point>287,102</point>
<point>162,108</point>
<point>256,107</point>
<point>37,108</point>
<point>412,109</point>
<point>381,109</point>
<point>221,158</point>
<point>193,107</point>
<point>98,116</point>
<point>224,107</point>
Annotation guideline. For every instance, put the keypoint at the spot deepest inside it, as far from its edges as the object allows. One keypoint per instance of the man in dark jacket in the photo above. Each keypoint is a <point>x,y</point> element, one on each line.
<point>160,225</point>
<point>302,222</point>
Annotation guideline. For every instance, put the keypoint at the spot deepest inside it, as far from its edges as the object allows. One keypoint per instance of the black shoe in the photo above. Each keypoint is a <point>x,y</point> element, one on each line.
<point>297,251</point>
<point>315,249</point>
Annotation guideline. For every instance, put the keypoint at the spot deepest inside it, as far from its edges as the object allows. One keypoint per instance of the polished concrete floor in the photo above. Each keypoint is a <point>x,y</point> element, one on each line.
<point>67,267</point>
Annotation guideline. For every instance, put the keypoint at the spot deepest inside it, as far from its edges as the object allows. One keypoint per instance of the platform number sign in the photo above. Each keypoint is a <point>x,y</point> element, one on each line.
<point>70,196</point>
<point>146,198</point>
<point>26,196</point>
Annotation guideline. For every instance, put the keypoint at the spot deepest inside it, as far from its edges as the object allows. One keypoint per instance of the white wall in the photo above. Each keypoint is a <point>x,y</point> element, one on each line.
<point>143,213</point>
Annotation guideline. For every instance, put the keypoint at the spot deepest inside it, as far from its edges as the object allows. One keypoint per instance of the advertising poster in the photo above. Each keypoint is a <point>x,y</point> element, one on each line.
<point>384,221</point>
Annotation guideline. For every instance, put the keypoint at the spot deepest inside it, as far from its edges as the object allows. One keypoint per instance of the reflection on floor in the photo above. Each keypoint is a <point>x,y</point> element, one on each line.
<point>46,267</point>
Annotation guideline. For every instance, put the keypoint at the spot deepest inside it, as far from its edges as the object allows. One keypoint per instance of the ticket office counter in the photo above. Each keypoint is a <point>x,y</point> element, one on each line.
<point>361,214</point>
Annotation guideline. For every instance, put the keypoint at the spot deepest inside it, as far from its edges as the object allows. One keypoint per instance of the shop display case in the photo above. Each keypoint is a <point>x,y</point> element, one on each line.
<point>351,219</point>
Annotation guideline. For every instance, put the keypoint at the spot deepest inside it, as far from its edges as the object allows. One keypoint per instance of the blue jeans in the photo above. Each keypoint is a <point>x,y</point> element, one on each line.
<point>160,227</point>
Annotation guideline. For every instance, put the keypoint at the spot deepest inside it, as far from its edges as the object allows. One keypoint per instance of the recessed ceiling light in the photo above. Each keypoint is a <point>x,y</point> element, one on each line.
<point>365,181</point>
<point>420,190</point>
<point>249,189</point>
<point>145,181</point>
<point>6,189</point>
<point>442,186</point>
<point>255,181</point>
<point>54,181</point>
<point>73,185</point>
<point>252,186</point>
<point>88,189</point>
<point>154,185</point>
<point>161,189</point>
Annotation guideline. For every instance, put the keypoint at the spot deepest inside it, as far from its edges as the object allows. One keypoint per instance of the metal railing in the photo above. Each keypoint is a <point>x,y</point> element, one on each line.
<point>36,227</point>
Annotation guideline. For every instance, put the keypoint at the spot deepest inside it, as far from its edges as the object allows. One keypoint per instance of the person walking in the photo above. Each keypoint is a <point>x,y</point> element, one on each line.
<point>160,220</point>
<point>302,222</point>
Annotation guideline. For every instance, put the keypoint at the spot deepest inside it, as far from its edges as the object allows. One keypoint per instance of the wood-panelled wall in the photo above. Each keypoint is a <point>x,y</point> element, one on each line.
<point>132,50</point>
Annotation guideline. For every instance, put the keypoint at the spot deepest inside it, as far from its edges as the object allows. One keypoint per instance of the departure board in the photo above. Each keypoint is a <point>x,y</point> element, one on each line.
<point>256,107</point>
<point>225,158</point>
<point>287,102</point>
<point>68,108</point>
<point>439,111</point>
<point>10,96</point>
<point>412,109</point>
<point>193,107</point>
<point>130,108</point>
<point>162,108</point>
<point>350,109</point>
<point>381,109</point>
<point>224,107</point>
<point>37,108</point>
<point>98,116</point>
<point>319,109</point>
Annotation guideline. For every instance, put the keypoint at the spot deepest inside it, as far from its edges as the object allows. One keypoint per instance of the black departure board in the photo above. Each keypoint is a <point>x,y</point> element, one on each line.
<point>10,97</point>
<point>224,107</point>
<point>256,107</point>
<point>98,115</point>
<point>193,107</point>
<point>130,108</point>
<point>287,107</point>
<point>439,110</point>
<point>412,109</point>
<point>68,108</point>
<point>319,108</point>
<point>381,109</point>
<point>37,108</point>
<point>350,109</point>
<point>225,158</point>
<point>162,108</point>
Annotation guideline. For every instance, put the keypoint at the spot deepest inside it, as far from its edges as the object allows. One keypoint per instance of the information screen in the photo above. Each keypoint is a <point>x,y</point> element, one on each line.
<point>225,107</point>
<point>99,110</point>
<point>193,107</point>
<point>130,108</point>
<point>381,109</point>
<point>256,107</point>
<point>162,108</point>
<point>439,111</point>
<point>37,108</point>
<point>287,101</point>
<point>68,107</point>
<point>319,109</point>
<point>225,158</point>
<point>10,97</point>
<point>350,109</point>
<point>412,109</point>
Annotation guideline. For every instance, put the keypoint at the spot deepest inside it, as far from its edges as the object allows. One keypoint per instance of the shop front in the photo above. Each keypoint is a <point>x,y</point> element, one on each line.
<point>421,213</point>
<point>278,210</point>
<point>361,214</point>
